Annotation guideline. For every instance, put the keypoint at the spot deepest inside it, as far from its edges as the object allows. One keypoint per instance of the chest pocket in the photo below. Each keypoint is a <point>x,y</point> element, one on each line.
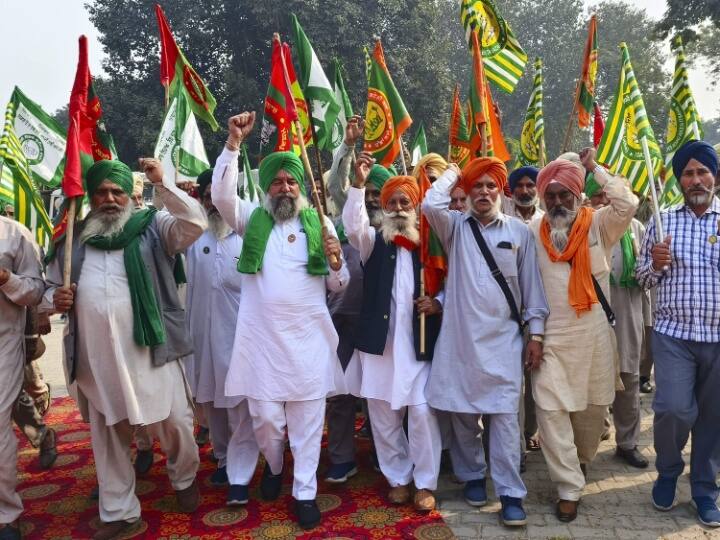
<point>506,260</point>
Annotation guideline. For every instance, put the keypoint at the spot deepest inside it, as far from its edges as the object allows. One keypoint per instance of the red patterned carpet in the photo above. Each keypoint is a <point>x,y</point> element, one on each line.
<point>58,504</point>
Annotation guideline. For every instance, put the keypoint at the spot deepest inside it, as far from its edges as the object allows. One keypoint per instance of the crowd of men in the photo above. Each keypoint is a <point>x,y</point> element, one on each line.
<point>554,296</point>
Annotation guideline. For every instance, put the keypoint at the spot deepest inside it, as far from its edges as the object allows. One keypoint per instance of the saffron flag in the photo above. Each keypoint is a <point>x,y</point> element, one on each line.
<point>502,54</point>
<point>386,118</point>
<point>432,256</point>
<point>683,125</point>
<point>586,89</point>
<point>176,72</point>
<point>497,145</point>
<point>459,142</point>
<point>532,135</point>
<point>620,148</point>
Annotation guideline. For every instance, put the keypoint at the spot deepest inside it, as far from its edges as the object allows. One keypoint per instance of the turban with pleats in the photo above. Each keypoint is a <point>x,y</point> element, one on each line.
<point>281,161</point>
<point>699,150</point>
<point>430,161</point>
<point>519,174</point>
<point>407,184</point>
<point>379,175</point>
<point>565,172</point>
<point>481,166</point>
<point>109,169</point>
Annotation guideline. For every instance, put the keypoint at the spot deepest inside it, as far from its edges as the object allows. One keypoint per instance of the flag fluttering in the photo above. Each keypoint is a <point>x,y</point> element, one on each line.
<point>503,56</point>
<point>176,72</point>
<point>432,256</point>
<point>598,125</point>
<point>532,136</point>
<point>386,118</point>
<point>459,139</point>
<point>297,106</point>
<point>276,131</point>
<point>497,146</point>
<point>418,146</point>
<point>249,190</point>
<point>620,148</point>
<point>586,88</point>
<point>683,124</point>
<point>477,100</point>
<point>345,112</point>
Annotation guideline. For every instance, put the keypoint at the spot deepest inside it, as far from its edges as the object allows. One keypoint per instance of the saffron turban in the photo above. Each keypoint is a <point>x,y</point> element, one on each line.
<point>109,169</point>
<point>407,184</point>
<point>519,174</point>
<point>565,172</point>
<point>481,166</point>
<point>379,175</point>
<point>699,150</point>
<point>430,161</point>
<point>281,161</point>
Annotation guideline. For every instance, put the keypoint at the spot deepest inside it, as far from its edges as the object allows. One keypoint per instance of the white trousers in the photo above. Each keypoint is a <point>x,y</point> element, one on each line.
<point>404,458</point>
<point>115,473</point>
<point>304,422</point>
<point>468,456</point>
<point>242,449</point>
<point>218,422</point>
<point>10,504</point>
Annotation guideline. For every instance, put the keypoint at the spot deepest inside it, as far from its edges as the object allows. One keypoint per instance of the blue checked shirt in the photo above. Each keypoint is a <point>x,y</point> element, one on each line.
<point>688,293</point>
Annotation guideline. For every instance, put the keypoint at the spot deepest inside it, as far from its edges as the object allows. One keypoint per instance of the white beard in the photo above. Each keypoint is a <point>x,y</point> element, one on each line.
<point>217,225</point>
<point>400,223</point>
<point>560,225</point>
<point>491,213</point>
<point>283,214</point>
<point>99,223</point>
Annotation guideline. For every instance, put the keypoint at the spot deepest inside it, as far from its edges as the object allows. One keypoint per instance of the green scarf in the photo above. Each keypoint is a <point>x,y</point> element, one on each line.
<point>627,279</point>
<point>256,239</point>
<point>148,329</point>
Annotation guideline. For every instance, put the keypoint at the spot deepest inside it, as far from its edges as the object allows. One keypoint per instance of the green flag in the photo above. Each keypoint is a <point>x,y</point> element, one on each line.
<point>28,205</point>
<point>317,89</point>
<point>180,146</point>
<point>345,112</point>
<point>683,125</point>
<point>533,131</point>
<point>249,190</point>
<point>418,146</point>
<point>620,148</point>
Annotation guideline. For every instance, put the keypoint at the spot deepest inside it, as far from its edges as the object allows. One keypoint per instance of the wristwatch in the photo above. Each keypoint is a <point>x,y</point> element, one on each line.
<point>536,337</point>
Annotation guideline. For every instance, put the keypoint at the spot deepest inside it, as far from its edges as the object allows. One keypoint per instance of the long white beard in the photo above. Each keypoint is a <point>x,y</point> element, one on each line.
<point>400,223</point>
<point>100,223</point>
<point>285,209</point>
<point>560,224</point>
<point>217,225</point>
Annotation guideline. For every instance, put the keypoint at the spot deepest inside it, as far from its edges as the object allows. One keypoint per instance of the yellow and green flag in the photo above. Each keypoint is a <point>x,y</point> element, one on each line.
<point>620,148</point>
<point>683,125</point>
<point>532,136</point>
<point>586,90</point>
<point>503,56</point>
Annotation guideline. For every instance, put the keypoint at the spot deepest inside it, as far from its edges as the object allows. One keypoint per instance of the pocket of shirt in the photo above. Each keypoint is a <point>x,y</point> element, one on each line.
<point>506,260</point>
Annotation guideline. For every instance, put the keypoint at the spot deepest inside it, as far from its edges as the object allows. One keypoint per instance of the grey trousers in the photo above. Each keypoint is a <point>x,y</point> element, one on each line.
<point>687,400</point>
<point>340,413</point>
<point>626,412</point>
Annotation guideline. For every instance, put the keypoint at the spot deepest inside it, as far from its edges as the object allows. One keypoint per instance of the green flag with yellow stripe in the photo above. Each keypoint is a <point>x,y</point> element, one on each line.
<point>620,148</point>
<point>532,136</point>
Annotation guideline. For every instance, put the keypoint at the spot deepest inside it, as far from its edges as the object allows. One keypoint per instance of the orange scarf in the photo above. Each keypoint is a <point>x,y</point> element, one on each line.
<point>581,292</point>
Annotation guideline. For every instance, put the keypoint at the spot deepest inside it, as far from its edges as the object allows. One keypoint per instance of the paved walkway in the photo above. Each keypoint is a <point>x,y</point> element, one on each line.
<point>616,502</point>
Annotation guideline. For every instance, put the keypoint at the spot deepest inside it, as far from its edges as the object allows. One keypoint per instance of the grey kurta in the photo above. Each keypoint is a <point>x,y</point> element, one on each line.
<point>628,305</point>
<point>477,367</point>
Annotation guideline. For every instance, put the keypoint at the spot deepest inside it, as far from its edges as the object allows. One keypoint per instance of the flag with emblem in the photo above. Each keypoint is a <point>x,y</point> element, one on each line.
<point>176,72</point>
<point>386,118</point>
<point>345,112</point>
<point>503,56</point>
<point>180,147</point>
<point>298,106</point>
<point>432,255</point>
<point>418,146</point>
<point>249,190</point>
<point>317,89</point>
<point>477,99</point>
<point>684,124</point>
<point>533,131</point>
<point>18,179</point>
<point>459,142</point>
<point>276,131</point>
<point>586,89</point>
<point>627,123</point>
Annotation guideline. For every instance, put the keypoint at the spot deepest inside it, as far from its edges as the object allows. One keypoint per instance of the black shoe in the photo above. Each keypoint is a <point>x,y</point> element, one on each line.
<point>143,461</point>
<point>238,495</point>
<point>48,449</point>
<point>270,484</point>
<point>632,457</point>
<point>645,386</point>
<point>10,531</point>
<point>307,513</point>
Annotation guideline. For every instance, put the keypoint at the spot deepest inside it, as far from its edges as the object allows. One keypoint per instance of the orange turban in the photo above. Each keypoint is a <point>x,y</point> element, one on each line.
<point>407,184</point>
<point>430,161</point>
<point>481,166</point>
<point>565,172</point>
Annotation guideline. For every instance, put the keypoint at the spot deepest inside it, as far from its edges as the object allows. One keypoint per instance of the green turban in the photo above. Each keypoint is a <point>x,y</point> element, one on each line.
<point>109,169</point>
<point>379,175</point>
<point>281,161</point>
<point>591,185</point>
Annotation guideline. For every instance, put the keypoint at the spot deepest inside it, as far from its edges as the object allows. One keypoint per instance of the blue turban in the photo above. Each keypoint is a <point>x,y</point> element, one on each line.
<point>699,150</point>
<point>518,174</point>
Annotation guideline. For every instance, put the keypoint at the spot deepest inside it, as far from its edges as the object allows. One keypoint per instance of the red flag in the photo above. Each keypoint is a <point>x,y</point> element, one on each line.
<point>72,184</point>
<point>168,48</point>
<point>276,132</point>
<point>598,125</point>
<point>432,255</point>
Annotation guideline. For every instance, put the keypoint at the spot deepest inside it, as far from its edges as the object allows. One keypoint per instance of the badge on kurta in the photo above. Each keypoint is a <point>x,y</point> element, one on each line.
<point>713,239</point>
<point>291,238</point>
<point>206,250</point>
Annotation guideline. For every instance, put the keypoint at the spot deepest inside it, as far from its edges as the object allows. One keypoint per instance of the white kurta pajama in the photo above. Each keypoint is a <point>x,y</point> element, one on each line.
<point>396,380</point>
<point>213,299</point>
<point>118,387</point>
<point>577,378</point>
<point>284,356</point>
<point>20,256</point>
<point>477,366</point>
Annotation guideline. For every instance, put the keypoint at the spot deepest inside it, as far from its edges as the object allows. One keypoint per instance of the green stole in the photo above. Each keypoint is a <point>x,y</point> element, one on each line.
<point>627,279</point>
<point>258,232</point>
<point>148,329</point>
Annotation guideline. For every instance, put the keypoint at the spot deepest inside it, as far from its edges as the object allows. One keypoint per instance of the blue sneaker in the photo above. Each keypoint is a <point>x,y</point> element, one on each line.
<point>707,511</point>
<point>663,493</point>
<point>237,495</point>
<point>340,472</point>
<point>512,513</point>
<point>474,492</point>
<point>219,477</point>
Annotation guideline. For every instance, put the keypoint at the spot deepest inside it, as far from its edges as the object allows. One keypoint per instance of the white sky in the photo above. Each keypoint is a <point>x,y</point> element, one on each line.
<point>39,51</point>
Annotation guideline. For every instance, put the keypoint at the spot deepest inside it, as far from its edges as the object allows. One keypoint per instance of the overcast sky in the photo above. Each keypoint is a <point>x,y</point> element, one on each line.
<point>39,51</point>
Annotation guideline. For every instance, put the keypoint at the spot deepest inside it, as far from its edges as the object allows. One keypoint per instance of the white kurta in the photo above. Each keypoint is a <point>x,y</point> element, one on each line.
<point>213,299</point>
<point>285,346</point>
<point>397,376</point>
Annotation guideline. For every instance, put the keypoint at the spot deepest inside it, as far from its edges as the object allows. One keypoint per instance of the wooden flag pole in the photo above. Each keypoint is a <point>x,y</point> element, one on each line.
<point>483,141</point>
<point>306,161</point>
<point>568,130</point>
<point>541,149</point>
<point>69,229</point>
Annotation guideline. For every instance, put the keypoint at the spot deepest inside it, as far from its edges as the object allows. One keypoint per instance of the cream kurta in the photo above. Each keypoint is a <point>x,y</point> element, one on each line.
<point>285,346</point>
<point>579,351</point>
